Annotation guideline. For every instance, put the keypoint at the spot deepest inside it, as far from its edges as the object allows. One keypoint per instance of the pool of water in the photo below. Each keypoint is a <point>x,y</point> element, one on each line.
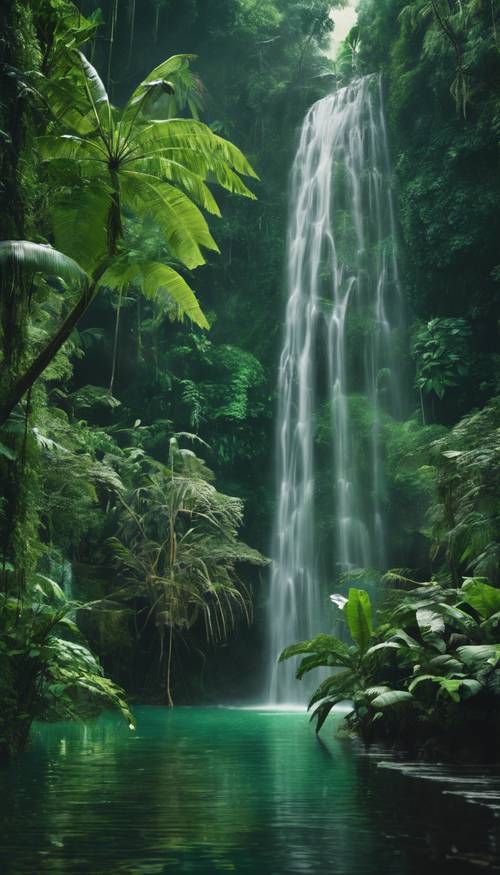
<point>209,790</point>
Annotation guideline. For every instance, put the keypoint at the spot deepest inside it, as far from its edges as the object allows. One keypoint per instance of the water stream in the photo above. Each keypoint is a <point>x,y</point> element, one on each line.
<point>339,367</point>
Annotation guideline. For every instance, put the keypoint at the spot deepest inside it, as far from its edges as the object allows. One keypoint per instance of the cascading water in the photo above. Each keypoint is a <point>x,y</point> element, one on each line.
<point>339,366</point>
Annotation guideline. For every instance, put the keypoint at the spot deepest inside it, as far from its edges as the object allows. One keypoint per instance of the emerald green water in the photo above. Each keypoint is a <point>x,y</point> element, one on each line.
<point>208,790</point>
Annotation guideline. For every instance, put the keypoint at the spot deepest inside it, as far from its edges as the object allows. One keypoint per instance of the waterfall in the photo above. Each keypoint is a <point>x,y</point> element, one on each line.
<point>338,370</point>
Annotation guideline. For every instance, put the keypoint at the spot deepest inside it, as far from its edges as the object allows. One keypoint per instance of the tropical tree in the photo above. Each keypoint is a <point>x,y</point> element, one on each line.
<point>177,550</point>
<point>108,162</point>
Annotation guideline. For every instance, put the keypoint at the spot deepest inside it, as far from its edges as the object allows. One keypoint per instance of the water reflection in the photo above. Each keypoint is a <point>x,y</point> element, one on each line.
<point>205,790</point>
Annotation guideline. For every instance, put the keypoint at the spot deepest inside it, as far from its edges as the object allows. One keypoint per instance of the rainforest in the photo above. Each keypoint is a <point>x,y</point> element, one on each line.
<point>250,436</point>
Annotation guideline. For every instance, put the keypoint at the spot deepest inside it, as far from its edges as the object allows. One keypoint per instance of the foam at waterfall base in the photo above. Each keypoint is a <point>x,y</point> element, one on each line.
<point>286,708</point>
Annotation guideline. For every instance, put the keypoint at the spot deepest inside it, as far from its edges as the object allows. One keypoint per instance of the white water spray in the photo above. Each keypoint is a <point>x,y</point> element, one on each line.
<point>339,356</point>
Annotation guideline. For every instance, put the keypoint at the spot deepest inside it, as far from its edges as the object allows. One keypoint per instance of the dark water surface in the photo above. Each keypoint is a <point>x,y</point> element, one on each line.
<point>209,790</point>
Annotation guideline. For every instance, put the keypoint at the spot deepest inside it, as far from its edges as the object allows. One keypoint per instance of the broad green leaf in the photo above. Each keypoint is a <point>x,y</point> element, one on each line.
<point>160,283</point>
<point>20,258</point>
<point>392,699</point>
<point>479,655</point>
<point>321,644</point>
<point>432,627</point>
<point>358,613</point>
<point>385,645</point>
<point>164,71</point>
<point>183,225</point>
<point>485,599</point>
<point>342,685</point>
<point>191,134</point>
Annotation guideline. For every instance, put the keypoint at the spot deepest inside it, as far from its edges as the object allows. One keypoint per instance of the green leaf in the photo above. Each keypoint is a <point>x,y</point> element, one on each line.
<point>479,655</point>
<point>485,599</point>
<point>167,70</point>
<point>79,222</point>
<point>20,258</point>
<point>158,282</point>
<point>392,699</point>
<point>456,688</point>
<point>191,134</point>
<point>432,627</point>
<point>341,684</point>
<point>358,613</point>
<point>7,452</point>
<point>321,644</point>
<point>183,225</point>
<point>385,645</point>
<point>96,89</point>
<point>322,712</point>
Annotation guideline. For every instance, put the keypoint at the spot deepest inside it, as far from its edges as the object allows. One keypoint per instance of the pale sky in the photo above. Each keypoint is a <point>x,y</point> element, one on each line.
<point>344,19</point>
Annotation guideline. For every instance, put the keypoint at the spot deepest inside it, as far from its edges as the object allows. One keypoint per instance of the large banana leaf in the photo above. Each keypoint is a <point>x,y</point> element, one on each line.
<point>208,166</point>
<point>96,91</point>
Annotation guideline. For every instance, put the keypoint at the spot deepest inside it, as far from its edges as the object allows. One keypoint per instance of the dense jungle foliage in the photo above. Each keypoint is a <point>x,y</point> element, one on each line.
<point>144,157</point>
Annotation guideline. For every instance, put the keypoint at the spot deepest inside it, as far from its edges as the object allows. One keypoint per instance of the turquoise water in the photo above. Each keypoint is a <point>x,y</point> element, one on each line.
<point>209,790</point>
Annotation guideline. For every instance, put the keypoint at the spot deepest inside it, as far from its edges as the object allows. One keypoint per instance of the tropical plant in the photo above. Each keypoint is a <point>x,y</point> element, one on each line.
<point>112,161</point>
<point>356,679</point>
<point>465,518</point>
<point>442,355</point>
<point>177,549</point>
<point>46,667</point>
<point>428,670</point>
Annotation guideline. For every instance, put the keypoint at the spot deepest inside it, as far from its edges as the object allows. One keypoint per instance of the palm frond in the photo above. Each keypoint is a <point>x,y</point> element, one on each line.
<point>183,225</point>
<point>188,134</point>
<point>21,258</point>
<point>167,169</point>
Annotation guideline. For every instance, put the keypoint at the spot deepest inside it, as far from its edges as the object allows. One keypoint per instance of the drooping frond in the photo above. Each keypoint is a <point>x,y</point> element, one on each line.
<point>174,171</point>
<point>21,258</point>
<point>158,282</point>
<point>175,70</point>
<point>164,285</point>
<point>70,146</point>
<point>207,166</point>
<point>96,90</point>
<point>191,134</point>
<point>183,225</point>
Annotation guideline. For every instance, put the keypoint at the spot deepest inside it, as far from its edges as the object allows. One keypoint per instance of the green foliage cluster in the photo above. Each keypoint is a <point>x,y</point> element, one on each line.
<point>465,520</point>
<point>440,350</point>
<point>425,676</point>
<point>46,667</point>
<point>101,171</point>
<point>445,151</point>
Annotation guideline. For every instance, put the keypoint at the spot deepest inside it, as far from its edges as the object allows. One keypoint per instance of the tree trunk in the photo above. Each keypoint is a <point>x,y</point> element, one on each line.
<point>21,385</point>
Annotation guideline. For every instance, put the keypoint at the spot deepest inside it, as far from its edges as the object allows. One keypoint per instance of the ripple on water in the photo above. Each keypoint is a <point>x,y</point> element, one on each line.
<point>208,790</point>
